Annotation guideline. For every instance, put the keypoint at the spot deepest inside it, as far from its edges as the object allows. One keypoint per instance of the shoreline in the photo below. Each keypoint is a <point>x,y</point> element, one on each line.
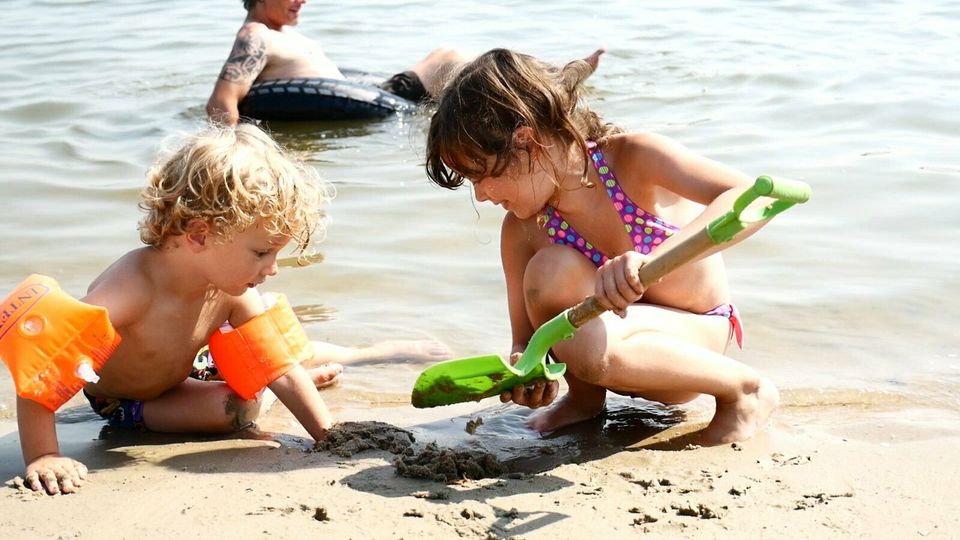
<point>818,471</point>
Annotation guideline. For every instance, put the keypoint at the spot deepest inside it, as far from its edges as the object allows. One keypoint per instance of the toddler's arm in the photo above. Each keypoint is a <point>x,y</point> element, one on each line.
<point>46,469</point>
<point>296,390</point>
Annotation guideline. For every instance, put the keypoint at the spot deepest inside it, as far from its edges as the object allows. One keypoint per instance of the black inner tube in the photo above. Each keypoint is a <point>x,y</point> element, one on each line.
<point>310,99</point>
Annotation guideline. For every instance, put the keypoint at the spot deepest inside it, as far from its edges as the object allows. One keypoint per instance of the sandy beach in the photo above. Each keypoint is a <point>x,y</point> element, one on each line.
<point>825,472</point>
<point>845,300</point>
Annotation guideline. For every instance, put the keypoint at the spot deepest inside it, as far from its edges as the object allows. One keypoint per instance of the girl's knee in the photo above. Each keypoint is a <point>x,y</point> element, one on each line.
<point>590,373</point>
<point>593,370</point>
<point>556,278</point>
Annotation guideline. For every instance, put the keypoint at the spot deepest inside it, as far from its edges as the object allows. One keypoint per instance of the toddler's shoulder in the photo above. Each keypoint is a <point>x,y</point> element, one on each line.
<point>124,288</point>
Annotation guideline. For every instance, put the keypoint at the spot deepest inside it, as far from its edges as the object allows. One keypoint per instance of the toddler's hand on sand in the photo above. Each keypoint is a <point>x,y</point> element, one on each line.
<point>618,282</point>
<point>535,394</point>
<point>55,474</point>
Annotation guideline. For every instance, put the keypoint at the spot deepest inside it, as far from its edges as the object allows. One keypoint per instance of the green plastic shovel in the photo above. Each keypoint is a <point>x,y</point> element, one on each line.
<point>478,377</point>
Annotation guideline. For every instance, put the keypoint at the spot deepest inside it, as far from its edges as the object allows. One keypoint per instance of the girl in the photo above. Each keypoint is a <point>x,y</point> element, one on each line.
<point>516,129</point>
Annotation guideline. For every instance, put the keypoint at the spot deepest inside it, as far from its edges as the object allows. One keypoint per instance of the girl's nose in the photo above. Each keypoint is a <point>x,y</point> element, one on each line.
<point>479,193</point>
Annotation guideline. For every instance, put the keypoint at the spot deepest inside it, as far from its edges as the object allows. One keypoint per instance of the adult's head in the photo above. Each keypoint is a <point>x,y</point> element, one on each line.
<point>275,13</point>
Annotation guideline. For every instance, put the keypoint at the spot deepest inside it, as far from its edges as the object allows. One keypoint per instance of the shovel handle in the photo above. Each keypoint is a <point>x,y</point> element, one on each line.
<point>660,265</point>
<point>583,312</point>
<point>721,230</point>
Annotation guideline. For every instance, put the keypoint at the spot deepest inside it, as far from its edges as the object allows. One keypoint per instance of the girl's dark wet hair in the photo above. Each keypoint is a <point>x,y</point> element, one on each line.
<point>479,110</point>
<point>248,4</point>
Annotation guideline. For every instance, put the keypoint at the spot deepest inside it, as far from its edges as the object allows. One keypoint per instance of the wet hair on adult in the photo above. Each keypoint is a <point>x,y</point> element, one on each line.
<point>482,106</point>
<point>231,178</point>
<point>248,4</point>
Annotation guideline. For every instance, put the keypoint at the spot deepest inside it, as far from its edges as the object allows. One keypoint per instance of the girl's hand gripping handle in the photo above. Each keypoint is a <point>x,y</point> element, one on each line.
<point>723,229</point>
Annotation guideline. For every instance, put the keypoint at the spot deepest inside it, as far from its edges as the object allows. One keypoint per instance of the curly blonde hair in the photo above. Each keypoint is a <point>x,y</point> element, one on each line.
<point>231,178</point>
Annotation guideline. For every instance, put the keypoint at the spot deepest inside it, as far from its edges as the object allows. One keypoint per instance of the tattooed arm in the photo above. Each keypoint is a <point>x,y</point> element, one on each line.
<point>247,59</point>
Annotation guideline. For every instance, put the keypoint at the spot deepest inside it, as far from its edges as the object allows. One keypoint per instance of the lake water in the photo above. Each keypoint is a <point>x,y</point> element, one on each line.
<point>848,299</point>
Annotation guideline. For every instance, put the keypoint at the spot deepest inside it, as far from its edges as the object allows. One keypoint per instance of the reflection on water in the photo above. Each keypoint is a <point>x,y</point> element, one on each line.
<point>501,431</point>
<point>316,138</point>
<point>300,260</point>
<point>858,99</point>
<point>941,394</point>
<point>78,414</point>
<point>311,313</point>
<point>194,114</point>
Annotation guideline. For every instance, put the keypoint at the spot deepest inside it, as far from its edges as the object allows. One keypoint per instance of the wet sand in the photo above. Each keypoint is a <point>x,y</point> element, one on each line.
<point>818,471</point>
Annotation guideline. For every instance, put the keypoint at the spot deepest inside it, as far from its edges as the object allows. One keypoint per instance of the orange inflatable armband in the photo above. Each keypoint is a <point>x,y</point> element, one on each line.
<point>261,350</point>
<point>53,343</point>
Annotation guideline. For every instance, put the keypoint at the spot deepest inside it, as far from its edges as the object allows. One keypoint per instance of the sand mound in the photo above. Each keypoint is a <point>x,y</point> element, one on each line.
<point>445,465</point>
<point>349,438</point>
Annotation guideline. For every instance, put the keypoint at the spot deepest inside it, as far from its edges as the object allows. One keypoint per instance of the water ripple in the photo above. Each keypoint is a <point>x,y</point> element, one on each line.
<point>857,98</point>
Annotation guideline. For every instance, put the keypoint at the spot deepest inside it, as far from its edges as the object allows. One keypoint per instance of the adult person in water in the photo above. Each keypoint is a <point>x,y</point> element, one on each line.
<point>267,48</point>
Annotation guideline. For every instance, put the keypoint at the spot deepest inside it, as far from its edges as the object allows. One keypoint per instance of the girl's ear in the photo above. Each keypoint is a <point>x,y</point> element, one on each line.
<point>523,137</point>
<point>197,235</point>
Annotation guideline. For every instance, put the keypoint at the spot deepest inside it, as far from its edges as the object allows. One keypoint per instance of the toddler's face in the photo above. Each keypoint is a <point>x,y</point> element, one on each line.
<point>246,260</point>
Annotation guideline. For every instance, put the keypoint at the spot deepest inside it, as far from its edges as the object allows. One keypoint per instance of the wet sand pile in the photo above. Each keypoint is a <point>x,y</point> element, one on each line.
<point>431,462</point>
<point>349,438</point>
<point>445,465</point>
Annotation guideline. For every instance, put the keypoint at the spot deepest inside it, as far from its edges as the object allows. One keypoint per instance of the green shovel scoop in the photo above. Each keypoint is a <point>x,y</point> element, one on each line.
<point>478,377</point>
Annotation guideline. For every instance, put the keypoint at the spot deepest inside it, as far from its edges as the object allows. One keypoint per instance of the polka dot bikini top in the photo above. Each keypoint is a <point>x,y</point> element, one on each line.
<point>645,229</point>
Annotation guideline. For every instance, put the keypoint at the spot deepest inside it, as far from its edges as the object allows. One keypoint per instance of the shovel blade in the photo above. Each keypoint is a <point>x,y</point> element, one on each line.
<point>463,379</point>
<point>475,378</point>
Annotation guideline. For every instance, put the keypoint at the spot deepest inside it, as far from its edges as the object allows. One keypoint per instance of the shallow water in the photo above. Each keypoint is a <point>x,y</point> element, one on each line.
<point>851,295</point>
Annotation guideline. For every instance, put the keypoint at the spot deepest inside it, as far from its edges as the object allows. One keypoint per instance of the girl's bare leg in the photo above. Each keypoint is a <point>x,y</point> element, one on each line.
<point>582,401</point>
<point>555,279</point>
<point>657,353</point>
<point>669,356</point>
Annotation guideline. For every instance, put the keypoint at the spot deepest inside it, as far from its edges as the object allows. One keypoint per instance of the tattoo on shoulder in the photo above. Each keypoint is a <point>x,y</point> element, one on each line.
<point>247,59</point>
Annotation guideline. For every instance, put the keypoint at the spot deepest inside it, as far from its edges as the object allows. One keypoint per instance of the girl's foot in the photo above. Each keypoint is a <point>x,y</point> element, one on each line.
<point>564,412</point>
<point>740,419</point>
<point>594,59</point>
